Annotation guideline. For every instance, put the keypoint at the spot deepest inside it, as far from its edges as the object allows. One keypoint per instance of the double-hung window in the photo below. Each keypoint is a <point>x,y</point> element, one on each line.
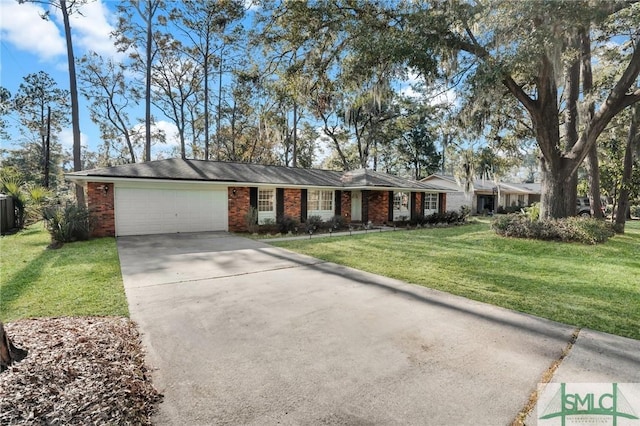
<point>430,203</point>
<point>266,205</point>
<point>320,203</point>
<point>401,206</point>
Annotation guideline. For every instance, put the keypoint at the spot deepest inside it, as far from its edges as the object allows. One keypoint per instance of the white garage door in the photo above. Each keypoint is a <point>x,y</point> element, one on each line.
<point>140,211</point>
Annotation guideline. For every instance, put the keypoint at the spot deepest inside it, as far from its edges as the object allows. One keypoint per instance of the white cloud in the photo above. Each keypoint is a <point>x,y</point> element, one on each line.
<point>172,141</point>
<point>92,29</point>
<point>65,137</point>
<point>448,97</point>
<point>252,5</point>
<point>171,133</point>
<point>22,26</point>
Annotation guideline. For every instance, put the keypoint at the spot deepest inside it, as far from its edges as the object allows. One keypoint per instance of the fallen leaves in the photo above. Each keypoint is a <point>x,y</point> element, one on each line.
<point>86,370</point>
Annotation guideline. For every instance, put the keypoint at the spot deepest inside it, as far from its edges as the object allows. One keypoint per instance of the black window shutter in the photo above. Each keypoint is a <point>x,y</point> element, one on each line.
<point>390,207</point>
<point>365,206</point>
<point>253,197</point>
<point>279,203</point>
<point>303,205</point>
<point>337,208</point>
<point>422,203</point>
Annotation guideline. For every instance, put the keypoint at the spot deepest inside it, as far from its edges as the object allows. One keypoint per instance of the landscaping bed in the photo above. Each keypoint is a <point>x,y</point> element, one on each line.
<point>78,371</point>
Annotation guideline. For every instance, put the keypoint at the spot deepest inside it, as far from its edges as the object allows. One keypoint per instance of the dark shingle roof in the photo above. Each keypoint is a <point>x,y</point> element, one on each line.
<point>215,171</point>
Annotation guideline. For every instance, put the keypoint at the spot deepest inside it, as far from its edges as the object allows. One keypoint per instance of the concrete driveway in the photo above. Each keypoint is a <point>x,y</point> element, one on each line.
<point>239,332</point>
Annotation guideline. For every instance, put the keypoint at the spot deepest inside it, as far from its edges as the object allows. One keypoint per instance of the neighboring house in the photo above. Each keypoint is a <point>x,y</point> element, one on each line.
<point>485,194</point>
<point>175,195</point>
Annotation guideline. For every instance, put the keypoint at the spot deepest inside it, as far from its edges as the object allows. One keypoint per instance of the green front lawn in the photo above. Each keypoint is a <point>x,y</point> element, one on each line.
<point>81,278</point>
<point>586,286</point>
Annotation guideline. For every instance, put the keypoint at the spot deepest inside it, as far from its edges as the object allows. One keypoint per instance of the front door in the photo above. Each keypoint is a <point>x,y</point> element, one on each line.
<point>356,206</point>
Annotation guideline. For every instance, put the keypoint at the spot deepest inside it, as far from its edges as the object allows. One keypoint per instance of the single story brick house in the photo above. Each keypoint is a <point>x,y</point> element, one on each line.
<point>485,194</point>
<point>177,195</point>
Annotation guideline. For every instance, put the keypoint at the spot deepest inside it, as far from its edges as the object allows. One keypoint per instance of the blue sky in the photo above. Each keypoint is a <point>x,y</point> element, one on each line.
<point>30,44</point>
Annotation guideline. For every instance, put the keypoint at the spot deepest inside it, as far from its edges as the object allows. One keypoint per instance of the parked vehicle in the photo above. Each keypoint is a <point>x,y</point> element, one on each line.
<point>583,206</point>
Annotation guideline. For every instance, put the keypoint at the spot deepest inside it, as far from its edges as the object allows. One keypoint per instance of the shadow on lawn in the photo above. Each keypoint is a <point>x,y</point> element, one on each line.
<point>20,282</point>
<point>517,286</point>
<point>379,282</point>
<point>48,269</point>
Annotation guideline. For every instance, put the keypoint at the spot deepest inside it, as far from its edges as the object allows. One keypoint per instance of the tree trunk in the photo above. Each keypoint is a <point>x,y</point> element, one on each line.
<point>127,139</point>
<point>559,192</point>
<point>8,352</point>
<point>181,127</point>
<point>147,89</point>
<point>592,155</point>
<point>295,134</point>
<point>623,200</point>
<point>594,183</point>
<point>206,101</point>
<point>73,89</point>
<point>47,150</point>
<point>219,116</point>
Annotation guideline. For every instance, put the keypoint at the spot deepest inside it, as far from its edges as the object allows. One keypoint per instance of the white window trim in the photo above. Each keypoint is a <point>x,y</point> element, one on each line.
<point>403,212</point>
<point>427,210</point>
<point>267,215</point>
<point>324,214</point>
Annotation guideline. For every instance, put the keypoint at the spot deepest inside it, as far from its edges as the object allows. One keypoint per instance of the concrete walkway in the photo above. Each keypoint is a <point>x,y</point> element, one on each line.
<point>239,332</point>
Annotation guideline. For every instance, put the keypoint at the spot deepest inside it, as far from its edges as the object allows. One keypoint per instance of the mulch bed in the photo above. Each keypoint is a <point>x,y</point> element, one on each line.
<point>86,370</point>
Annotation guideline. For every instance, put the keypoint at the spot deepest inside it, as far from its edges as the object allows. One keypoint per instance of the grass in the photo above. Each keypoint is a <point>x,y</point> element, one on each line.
<point>586,286</point>
<point>79,279</point>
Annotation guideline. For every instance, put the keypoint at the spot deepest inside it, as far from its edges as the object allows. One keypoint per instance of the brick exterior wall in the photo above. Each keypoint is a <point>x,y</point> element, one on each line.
<point>100,201</point>
<point>345,205</point>
<point>238,208</point>
<point>419,203</point>
<point>442,202</point>
<point>292,203</point>
<point>378,207</point>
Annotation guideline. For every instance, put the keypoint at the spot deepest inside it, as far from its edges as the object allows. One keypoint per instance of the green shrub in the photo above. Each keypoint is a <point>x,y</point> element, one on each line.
<point>314,223</point>
<point>452,217</point>
<point>509,209</point>
<point>418,221</point>
<point>433,218</point>
<point>251,220</point>
<point>337,222</point>
<point>571,229</point>
<point>68,223</point>
<point>635,211</point>
<point>38,199</point>
<point>533,211</point>
<point>288,224</point>
<point>465,212</point>
<point>269,226</point>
